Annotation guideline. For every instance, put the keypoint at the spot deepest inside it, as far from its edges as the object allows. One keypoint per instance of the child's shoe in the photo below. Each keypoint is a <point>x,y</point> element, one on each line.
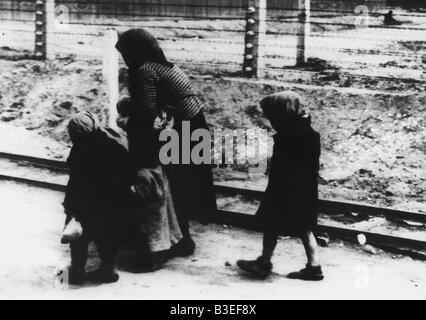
<point>103,276</point>
<point>258,268</point>
<point>309,273</point>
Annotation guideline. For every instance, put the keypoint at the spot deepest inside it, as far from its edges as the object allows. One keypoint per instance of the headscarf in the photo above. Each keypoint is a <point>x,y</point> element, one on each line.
<point>81,125</point>
<point>138,46</point>
<point>285,111</point>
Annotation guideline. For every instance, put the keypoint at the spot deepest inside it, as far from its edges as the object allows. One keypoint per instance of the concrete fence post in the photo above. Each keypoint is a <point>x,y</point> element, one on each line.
<point>50,28</point>
<point>40,30</point>
<point>255,38</point>
<point>110,70</point>
<point>44,25</point>
<point>303,30</point>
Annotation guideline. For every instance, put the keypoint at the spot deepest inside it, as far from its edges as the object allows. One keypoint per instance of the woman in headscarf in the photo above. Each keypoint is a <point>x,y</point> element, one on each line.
<point>96,193</point>
<point>155,85</point>
<point>289,206</point>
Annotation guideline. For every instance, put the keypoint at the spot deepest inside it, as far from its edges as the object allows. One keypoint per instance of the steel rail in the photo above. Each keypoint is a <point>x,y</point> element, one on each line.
<point>328,207</point>
<point>246,221</point>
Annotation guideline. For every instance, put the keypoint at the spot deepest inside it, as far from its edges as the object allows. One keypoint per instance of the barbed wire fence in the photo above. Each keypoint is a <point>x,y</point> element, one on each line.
<point>256,38</point>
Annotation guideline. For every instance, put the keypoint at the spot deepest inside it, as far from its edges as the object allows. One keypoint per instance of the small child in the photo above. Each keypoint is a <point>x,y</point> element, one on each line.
<point>289,206</point>
<point>153,209</point>
<point>96,191</point>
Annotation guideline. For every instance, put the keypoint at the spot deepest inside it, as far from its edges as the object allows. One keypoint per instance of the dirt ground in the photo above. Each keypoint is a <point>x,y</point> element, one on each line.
<point>33,224</point>
<point>373,129</point>
<point>373,147</point>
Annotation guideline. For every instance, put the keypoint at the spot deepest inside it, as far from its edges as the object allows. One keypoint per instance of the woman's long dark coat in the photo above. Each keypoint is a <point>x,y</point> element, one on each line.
<point>156,84</point>
<point>289,206</point>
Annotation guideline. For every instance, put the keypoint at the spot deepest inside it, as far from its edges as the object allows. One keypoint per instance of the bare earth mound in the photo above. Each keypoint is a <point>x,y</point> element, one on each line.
<point>373,142</point>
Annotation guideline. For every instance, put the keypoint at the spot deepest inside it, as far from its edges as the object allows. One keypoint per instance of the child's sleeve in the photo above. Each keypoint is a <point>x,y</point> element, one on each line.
<point>145,98</point>
<point>69,199</point>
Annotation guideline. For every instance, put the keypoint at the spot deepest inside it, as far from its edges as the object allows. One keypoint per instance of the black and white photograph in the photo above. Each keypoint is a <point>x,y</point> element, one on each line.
<point>212,154</point>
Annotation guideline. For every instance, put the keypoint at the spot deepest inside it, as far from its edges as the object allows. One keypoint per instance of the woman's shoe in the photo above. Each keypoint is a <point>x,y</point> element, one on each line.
<point>153,261</point>
<point>148,267</point>
<point>184,248</point>
<point>103,276</point>
<point>258,268</point>
<point>309,273</point>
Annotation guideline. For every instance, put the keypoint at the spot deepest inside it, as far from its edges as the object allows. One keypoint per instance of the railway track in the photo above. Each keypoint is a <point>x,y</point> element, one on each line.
<point>413,247</point>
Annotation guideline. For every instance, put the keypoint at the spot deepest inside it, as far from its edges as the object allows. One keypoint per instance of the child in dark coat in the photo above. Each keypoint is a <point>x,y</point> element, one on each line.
<point>97,189</point>
<point>289,206</point>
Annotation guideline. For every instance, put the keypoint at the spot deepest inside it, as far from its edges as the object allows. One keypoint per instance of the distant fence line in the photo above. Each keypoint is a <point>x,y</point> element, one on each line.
<point>255,44</point>
<point>210,9</point>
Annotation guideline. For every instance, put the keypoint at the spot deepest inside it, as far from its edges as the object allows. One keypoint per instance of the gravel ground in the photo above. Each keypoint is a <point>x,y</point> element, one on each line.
<point>29,242</point>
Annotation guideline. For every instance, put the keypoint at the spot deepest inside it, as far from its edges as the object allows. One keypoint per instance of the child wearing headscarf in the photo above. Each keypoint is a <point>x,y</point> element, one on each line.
<point>155,84</point>
<point>96,191</point>
<point>289,206</point>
